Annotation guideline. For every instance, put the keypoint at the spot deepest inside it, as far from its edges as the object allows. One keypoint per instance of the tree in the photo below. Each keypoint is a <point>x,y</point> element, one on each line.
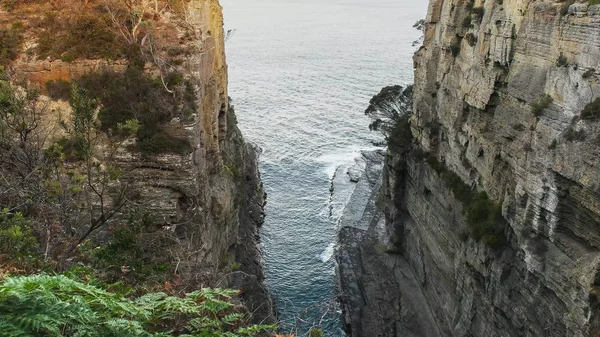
<point>388,107</point>
<point>63,205</point>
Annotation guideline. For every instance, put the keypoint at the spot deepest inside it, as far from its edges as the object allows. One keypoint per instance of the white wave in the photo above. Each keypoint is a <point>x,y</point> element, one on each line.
<point>327,254</point>
<point>345,157</point>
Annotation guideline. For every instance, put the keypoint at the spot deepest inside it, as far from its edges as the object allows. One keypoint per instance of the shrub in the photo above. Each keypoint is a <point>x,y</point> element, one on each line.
<point>455,47</point>
<point>484,216</point>
<point>562,61</point>
<point>10,41</point>
<point>59,89</point>
<point>594,2</point>
<point>591,110</point>
<point>564,10</point>
<point>471,39</point>
<point>161,142</point>
<point>588,73</point>
<point>574,136</point>
<point>135,95</point>
<point>478,12</point>
<point>540,105</point>
<point>83,36</point>
<point>467,21</point>
<point>16,239</point>
<point>401,137</point>
<point>44,305</point>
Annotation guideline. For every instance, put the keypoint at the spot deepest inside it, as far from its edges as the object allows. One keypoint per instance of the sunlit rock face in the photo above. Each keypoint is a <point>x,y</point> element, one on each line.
<point>481,68</point>
<point>210,197</point>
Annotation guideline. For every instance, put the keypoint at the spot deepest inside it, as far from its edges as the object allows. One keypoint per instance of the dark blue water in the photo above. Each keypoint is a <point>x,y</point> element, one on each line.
<point>301,73</point>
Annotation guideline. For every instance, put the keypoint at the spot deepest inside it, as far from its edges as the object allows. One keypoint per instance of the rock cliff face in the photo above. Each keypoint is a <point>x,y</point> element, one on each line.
<point>481,68</point>
<point>212,198</point>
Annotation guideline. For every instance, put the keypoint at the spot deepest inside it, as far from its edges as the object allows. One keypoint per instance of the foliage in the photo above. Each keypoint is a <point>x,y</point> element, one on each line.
<point>315,332</point>
<point>594,2</point>
<point>572,135</point>
<point>478,12</point>
<point>540,105</point>
<point>16,239</point>
<point>564,10</point>
<point>389,111</point>
<point>591,110</point>
<point>467,21</point>
<point>471,39</point>
<point>562,60</point>
<point>455,47</point>
<point>59,89</point>
<point>389,106</point>
<point>401,137</point>
<point>10,41</point>
<point>86,36</point>
<point>44,305</point>
<point>135,95</point>
<point>484,216</point>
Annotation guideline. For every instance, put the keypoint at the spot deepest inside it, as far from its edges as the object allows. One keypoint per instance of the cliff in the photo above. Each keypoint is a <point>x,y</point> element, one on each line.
<point>188,166</point>
<point>499,91</point>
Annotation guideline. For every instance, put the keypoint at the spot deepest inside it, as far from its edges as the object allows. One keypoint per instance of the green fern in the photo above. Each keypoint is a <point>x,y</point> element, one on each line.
<point>57,306</point>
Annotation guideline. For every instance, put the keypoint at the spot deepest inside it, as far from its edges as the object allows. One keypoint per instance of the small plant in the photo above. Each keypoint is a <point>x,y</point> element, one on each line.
<point>571,135</point>
<point>471,39</point>
<point>59,89</point>
<point>591,110</point>
<point>562,60</point>
<point>564,10</point>
<point>467,21</point>
<point>484,216</point>
<point>478,12</point>
<point>540,105</point>
<point>588,73</point>
<point>455,47</point>
<point>594,2</point>
<point>10,41</point>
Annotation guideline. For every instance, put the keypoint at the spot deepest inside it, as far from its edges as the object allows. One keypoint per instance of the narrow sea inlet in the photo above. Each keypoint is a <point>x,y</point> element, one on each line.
<point>301,75</point>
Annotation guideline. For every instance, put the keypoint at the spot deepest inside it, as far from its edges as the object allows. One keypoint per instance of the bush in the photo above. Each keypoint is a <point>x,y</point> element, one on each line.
<point>478,12</point>
<point>467,21</point>
<point>484,216</point>
<point>471,39</point>
<point>588,73</point>
<point>10,41</point>
<point>84,36</point>
<point>161,142</point>
<point>564,10</point>
<point>540,105</point>
<point>16,239</point>
<point>594,2</point>
<point>562,61</point>
<point>53,306</point>
<point>455,47</point>
<point>59,89</point>
<point>574,136</point>
<point>591,110</point>
<point>400,138</point>
<point>135,95</point>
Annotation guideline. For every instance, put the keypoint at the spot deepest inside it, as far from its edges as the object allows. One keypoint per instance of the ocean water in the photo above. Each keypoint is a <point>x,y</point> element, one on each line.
<point>301,73</point>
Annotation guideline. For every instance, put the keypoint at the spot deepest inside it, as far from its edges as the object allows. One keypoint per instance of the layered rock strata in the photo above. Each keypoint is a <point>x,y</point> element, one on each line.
<point>480,76</point>
<point>211,199</point>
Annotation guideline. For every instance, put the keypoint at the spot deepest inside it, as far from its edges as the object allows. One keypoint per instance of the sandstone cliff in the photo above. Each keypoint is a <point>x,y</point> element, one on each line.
<point>208,199</point>
<point>480,77</point>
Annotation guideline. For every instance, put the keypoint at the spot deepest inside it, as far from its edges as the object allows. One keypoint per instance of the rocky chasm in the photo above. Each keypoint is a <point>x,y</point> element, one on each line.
<point>502,95</point>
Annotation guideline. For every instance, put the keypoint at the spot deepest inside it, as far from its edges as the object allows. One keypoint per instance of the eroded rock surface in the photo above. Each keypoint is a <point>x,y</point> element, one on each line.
<point>477,76</point>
